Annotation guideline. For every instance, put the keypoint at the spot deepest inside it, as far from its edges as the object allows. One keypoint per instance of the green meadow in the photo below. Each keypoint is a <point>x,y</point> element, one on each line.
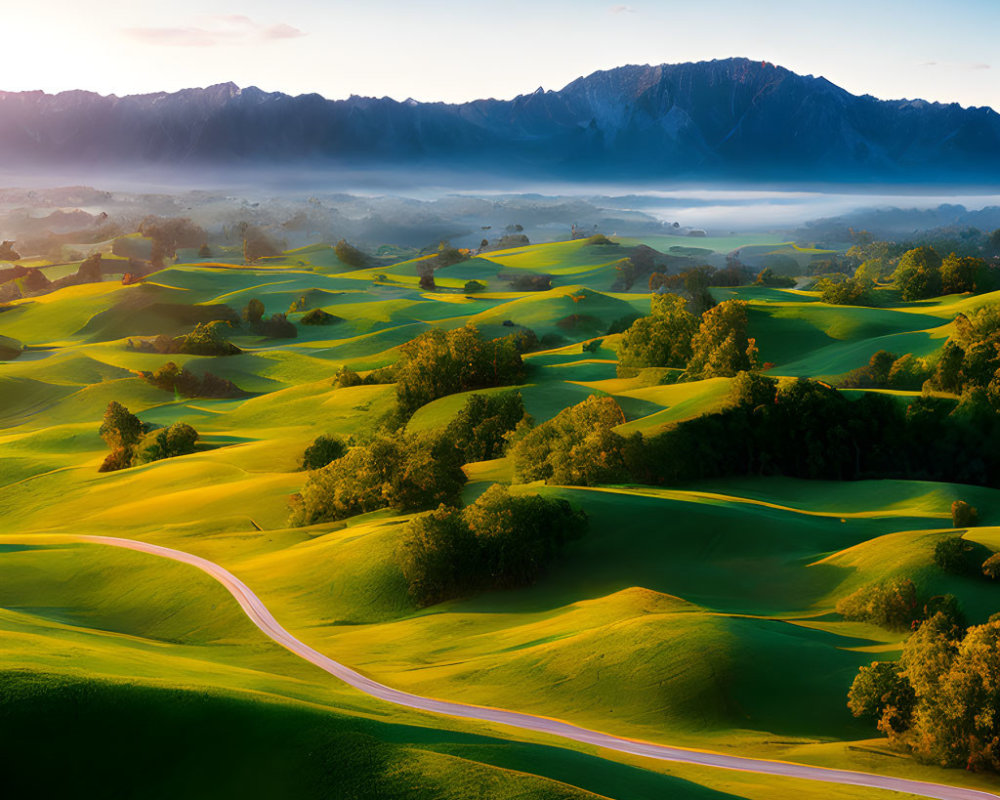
<point>696,615</point>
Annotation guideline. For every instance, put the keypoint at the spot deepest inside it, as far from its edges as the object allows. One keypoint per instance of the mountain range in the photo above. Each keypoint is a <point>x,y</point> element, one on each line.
<point>724,119</point>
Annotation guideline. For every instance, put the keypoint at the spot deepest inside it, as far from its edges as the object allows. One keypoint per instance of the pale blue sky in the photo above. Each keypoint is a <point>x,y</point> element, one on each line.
<point>453,51</point>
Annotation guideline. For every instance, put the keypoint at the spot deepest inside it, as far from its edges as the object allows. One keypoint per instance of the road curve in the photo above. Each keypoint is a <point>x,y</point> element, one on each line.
<point>263,619</point>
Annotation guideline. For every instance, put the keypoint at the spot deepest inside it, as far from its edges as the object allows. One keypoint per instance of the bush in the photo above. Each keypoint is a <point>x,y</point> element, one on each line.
<point>472,287</point>
<point>405,472</point>
<point>322,451</point>
<point>963,515</point>
<point>768,277</point>
<point>889,604</point>
<point>277,326</point>
<point>500,541</point>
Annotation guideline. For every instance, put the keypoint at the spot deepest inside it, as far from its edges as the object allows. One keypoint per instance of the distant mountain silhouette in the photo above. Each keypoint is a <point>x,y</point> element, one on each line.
<point>720,119</point>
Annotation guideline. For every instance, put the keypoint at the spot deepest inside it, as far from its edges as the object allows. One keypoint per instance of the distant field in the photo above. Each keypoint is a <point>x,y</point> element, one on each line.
<point>696,615</point>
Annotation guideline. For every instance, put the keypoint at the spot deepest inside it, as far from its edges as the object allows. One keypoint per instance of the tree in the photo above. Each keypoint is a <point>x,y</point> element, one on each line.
<point>662,339</point>
<point>918,274</point>
<point>963,515</point>
<point>205,251</point>
<point>882,693</point>
<point>956,555</point>
<point>438,363</point>
<point>178,439</point>
<point>440,557</point>
<point>577,447</point>
<point>120,428</point>
<point>322,451</point>
<point>500,541</point>
<point>408,473</point>
<point>121,431</point>
<point>168,234</point>
<point>479,430</point>
<point>890,604</point>
<point>472,287</point>
<point>350,255</point>
<point>721,347</point>
<point>965,274</point>
<point>254,311</point>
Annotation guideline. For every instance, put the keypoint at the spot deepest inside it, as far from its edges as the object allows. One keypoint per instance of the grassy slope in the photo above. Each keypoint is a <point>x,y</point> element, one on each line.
<point>686,615</point>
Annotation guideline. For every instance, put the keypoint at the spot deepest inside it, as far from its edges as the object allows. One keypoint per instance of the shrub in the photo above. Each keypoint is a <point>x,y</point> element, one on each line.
<point>500,541</point>
<point>277,326</point>
<point>768,277</point>
<point>322,451</point>
<point>472,287</point>
<point>890,604</point>
<point>963,515</point>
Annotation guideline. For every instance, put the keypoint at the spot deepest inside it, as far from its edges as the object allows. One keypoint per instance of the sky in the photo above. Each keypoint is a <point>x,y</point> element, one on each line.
<point>455,51</point>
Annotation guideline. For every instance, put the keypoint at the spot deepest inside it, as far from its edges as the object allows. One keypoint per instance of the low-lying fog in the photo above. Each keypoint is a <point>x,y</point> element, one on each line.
<point>421,216</point>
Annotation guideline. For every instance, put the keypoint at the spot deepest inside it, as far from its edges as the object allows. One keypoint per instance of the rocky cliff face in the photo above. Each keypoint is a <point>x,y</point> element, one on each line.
<point>721,119</point>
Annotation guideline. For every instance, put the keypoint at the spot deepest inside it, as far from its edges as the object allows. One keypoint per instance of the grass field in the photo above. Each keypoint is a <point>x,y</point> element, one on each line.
<point>696,615</point>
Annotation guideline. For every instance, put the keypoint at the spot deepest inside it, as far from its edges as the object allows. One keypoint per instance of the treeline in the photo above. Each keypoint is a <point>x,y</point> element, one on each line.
<point>802,429</point>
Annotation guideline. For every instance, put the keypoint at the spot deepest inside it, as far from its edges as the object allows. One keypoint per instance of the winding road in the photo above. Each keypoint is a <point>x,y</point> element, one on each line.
<point>262,618</point>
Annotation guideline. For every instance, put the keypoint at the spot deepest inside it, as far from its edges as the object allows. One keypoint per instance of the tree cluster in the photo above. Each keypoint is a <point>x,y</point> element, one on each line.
<point>940,699</point>
<point>480,430</point>
<point>802,429</point>
<point>715,346</point>
<point>577,447</point>
<point>439,363</point>
<point>207,339</point>
<point>276,326</point>
<point>132,443</point>
<point>183,382</point>
<point>922,273</point>
<point>970,360</point>
<point>405,472</point>
<point>887,371</point>
<point>324,449</point>
<point>348,377</point>
<point>350,255</point>
<point>500,541</point>
<point>168,234</point>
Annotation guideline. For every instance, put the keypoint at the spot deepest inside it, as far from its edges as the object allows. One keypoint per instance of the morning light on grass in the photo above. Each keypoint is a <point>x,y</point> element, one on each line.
<point>395,430</point>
